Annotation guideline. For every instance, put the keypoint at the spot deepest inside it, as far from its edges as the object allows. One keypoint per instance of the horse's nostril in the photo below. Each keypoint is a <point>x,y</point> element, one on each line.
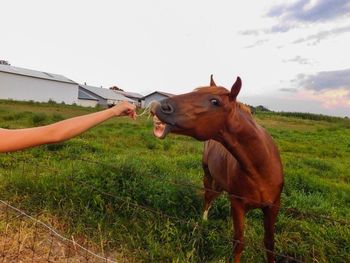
<point>166,108</point>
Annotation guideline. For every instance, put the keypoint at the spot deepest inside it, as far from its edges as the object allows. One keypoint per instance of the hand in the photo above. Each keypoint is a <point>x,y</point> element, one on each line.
<point>124,109</point>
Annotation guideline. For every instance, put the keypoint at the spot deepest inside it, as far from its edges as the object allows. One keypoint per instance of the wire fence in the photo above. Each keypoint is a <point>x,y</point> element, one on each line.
<point>292,210</point>
<point>27,238</point>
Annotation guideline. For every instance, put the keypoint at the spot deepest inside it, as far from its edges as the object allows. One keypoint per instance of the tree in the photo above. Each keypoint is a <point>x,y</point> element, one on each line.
<point>115,88</point>
<point>261,108</point>
<point>4,62</point>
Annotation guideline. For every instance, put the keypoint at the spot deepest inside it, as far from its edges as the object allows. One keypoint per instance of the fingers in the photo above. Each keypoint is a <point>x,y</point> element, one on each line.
<point>125,109</point>
<point>131,113</point>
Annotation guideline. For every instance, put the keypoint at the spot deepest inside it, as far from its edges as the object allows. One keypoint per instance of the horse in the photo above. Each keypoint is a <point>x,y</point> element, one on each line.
<point>216,161</point>
<point>240,157</point>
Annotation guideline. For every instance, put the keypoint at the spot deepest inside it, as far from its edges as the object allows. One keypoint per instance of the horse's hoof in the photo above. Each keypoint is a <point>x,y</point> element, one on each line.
<point>205,215</point>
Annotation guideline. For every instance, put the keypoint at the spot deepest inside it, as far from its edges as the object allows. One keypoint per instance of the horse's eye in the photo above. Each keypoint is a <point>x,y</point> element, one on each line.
<point>215,102</point>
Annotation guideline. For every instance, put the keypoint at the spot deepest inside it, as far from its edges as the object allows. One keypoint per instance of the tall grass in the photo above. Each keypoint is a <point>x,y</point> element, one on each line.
<point>124,165</point>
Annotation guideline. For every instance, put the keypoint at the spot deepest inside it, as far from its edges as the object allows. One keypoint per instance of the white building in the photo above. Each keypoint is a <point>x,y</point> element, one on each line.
<point>156,95</point>
<point>25,85</point>
<point>86,100</point>
<point>105,97</point>
<point>136,97</point>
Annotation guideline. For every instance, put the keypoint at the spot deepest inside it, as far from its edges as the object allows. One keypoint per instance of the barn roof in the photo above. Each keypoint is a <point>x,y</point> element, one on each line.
<point>35,74</point>
<point>106,93</point>
<point>129,94</point>
<point>160,92</point>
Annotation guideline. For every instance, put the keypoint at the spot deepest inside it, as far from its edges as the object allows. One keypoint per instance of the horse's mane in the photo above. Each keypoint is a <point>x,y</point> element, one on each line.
<point>244,107</point>
<point>213,90</point>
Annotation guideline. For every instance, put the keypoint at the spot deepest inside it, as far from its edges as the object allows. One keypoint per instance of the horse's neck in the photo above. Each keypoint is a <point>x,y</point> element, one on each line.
<point>246,141</point>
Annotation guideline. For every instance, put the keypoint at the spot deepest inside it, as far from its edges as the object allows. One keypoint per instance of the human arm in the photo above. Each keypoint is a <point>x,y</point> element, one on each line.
<point>13,140</point>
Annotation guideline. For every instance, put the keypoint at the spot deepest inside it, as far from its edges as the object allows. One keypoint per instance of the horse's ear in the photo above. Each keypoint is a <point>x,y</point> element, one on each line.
<point>236,87</point>
<point>212,82</point>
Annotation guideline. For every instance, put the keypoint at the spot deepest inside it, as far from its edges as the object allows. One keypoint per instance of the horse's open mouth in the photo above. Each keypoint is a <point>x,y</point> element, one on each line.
<point>160,129</point>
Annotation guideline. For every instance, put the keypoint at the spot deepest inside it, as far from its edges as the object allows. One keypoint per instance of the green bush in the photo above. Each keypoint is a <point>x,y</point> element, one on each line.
<point>51,101</point>
<point>39,119</point>
<point>57,117</point>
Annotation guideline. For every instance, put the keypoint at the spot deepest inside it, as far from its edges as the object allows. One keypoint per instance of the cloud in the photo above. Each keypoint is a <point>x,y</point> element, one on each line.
<point>299,60</point>
<point>325,80</point>
<point>250,32</point>
<point>257,43</point>
<point>316,38</point>
<point>300,102</point>
<point>329,88</point>
<point>281,28</point>
<point>307,11</point>
<point>289,89</point>
<point>303,12</point>
<point>311,11</point>
<point>329,99</point>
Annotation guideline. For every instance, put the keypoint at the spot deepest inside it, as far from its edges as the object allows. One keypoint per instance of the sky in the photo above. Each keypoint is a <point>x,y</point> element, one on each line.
<point>291,55</point>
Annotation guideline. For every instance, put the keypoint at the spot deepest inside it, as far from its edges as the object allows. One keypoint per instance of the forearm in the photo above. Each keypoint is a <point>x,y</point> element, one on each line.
<point>13,140</point>
<point>70,128</point>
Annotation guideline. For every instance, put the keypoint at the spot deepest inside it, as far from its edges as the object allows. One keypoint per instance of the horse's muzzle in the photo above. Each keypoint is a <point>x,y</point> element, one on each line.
<point>166,107</point>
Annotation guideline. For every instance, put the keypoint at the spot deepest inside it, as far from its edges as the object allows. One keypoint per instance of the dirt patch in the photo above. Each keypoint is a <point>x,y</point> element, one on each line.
<point>25,240</point>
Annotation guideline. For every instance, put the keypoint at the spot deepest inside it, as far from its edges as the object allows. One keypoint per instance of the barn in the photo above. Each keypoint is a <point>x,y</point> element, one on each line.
<point>156,95</point>
<point>26,85</point>
<point>105,97</point>
<point>136,97</point>
<point>87,100</point>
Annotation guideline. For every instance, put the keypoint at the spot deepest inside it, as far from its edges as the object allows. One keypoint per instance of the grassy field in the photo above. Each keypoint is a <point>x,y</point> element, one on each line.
<point>129,192</point>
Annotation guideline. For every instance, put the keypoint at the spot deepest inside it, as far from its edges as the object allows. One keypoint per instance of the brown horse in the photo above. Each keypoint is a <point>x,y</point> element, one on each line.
<point>250,170</point>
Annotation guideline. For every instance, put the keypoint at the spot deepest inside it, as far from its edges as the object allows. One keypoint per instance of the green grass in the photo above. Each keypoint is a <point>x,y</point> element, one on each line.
<point>129,166</point>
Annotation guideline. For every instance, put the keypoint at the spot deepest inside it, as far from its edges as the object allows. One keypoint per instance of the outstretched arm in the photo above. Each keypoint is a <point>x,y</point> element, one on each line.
<point>13,140</point>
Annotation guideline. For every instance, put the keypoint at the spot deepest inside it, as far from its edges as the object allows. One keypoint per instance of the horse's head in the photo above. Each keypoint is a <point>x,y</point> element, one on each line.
<point>200,114</point>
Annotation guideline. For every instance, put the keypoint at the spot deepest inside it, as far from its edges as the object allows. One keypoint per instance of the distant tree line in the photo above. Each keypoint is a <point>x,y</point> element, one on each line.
<point>300,115</point>
<point>310,116</point>
<point>259,108</point>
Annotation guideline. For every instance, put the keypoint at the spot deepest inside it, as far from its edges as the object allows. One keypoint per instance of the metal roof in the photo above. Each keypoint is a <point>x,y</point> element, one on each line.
<point>160,92</point>
<point>35,74</point>
<point>106,93</point>
<point>129,94</point>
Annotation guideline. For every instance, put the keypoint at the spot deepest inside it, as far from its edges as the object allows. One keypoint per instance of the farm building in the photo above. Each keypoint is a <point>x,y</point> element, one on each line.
<point>26,84</point>
<point>136,97</point>
<point>105,97</point>
<point>86,100</point>
<point>156,95</point>
<point>32,85</point>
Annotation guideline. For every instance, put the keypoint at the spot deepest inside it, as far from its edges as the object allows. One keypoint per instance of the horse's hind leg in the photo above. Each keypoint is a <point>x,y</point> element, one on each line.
<point>270,215</point>
<point>211,191</point>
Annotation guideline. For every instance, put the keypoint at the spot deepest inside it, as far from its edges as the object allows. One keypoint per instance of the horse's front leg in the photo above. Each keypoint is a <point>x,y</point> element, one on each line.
<point>211,191</point>
<point>270,215</point>
<point>238,216</point>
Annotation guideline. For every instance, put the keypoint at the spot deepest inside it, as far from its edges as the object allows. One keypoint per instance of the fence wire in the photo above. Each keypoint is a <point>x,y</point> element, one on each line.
<point>203,189</point>
<point>43,239</point>
<point>25,238</point>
